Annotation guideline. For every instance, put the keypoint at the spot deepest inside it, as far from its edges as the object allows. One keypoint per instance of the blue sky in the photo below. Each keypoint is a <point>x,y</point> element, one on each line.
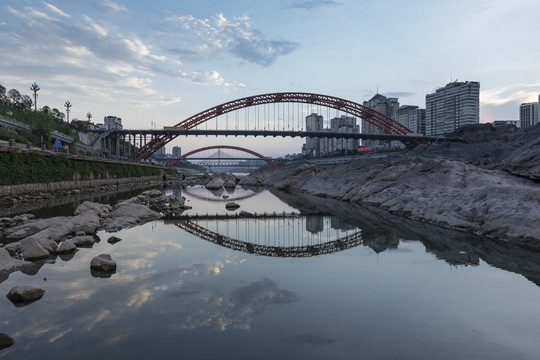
<point>159,62</point>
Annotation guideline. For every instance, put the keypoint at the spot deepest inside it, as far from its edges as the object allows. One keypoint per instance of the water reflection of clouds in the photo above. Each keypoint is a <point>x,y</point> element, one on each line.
<point>203,305</point>
<point>209,268</point>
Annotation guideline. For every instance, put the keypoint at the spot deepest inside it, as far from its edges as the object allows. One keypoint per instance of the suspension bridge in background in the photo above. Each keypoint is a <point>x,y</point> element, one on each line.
<point>275,114</point>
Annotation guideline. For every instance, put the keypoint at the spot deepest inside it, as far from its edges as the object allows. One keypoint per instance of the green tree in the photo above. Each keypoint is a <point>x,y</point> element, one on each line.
<point>26,102</point>
<point>2,93</point>
<point>14,96</point>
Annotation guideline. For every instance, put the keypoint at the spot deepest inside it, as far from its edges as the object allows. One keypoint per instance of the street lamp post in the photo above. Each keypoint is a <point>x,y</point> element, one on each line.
<point>35,89</point>
<point>89,116</point>
<point>67,105</point>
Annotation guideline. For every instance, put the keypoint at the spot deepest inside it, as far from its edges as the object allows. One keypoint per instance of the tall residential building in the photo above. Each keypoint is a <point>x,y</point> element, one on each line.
<point>412,117</point>
<point>314,122</point>
<point>384,105</point>
<point>343,124</point>
<point>176,151</point>
<point>112,122</point>
<point>452,106</point>
<point>528,114</point>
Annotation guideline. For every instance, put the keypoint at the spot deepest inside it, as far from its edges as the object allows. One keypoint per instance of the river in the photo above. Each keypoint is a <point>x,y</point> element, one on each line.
<point>302,277</point>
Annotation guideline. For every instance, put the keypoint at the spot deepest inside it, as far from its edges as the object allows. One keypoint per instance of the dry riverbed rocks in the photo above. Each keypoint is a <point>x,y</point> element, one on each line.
<point>34,239</point>
<point>485,181</point>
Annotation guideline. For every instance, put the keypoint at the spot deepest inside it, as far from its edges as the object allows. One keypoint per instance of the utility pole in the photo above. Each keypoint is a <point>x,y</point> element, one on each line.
<point>67,105</point>
<point>35,89</point>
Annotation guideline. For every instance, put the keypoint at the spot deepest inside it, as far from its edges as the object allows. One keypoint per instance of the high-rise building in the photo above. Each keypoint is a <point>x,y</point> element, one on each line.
<point>384,105</point>
<point>412,117</point>
<point>343,124</point>
<point>528,114</point>
<point>314,122</point>
<point>452,106</point>
<point>176,152</point>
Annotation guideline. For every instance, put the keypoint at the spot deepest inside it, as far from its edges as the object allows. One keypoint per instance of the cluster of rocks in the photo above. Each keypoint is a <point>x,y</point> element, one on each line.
<point>35,239</point>
<point>485,181</point>
<point>216,181</point>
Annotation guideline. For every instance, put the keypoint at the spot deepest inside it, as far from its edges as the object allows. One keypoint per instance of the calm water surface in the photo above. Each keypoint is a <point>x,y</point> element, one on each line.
<point>314,279</point>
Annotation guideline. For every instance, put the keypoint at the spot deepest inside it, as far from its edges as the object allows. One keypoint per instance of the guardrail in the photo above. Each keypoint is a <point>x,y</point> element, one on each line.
<point>14,124</point>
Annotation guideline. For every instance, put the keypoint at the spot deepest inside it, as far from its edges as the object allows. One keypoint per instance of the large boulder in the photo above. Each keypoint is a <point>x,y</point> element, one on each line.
<point>32,250</point>
<point>66,247</point>
<point>101,210</point>
<point>103,263</point>
<point>127,215</point>
<point>83,241</point>
<point>9,264</point>
<point>5,341</point>
<point>23,295</point>
<point>215,184</point>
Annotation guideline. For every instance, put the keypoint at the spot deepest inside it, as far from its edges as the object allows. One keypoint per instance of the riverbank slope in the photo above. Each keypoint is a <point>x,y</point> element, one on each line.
<point>485,180</point>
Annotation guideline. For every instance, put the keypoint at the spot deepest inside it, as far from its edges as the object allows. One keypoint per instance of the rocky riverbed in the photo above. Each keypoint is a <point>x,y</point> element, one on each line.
<point>35,239</point>
<point>484,180</point>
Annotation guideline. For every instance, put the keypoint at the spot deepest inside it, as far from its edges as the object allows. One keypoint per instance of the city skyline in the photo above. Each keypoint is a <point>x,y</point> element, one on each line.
<point>159,63</point>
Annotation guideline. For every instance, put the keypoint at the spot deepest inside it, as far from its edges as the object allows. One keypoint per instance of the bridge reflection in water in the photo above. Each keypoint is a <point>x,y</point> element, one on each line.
<point>280,235</point>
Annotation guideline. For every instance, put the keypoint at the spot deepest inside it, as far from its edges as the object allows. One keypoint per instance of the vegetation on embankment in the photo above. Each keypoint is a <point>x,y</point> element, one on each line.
<point>30,168</point>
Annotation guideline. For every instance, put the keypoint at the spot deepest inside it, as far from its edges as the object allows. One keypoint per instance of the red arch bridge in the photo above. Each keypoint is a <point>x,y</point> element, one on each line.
<point>275,114</point>
<point>219,147</point>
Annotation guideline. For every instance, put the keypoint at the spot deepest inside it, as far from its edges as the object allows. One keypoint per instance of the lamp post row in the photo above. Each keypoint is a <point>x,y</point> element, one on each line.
<point>35,88</point>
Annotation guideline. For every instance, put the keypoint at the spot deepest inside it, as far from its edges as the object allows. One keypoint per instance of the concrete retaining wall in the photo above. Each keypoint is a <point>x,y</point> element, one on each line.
<point>51,188</point>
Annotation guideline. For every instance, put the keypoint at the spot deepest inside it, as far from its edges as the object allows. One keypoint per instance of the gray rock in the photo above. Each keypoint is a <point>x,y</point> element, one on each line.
<point>32,250</point>
<point>245,214</point>
<point>103,263</point>
<point>101,210</point>
<point>23,295</point>
<point>113,240</point>
<point>215,184</point>
<point>83,241</point>
<point>231,206</point>
<point>5,341</point>
<point>151,193</point>
<point>48,244</point>
<point>127,215</point>
<point>9,264</point>
<point>66,247</point>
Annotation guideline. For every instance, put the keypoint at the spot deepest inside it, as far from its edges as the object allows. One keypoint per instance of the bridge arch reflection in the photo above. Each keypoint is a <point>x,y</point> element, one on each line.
<point>277,242</point>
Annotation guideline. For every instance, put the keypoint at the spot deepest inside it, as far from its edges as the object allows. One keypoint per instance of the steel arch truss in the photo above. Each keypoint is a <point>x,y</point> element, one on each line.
<point>383,122</point>
<point>225,147</point>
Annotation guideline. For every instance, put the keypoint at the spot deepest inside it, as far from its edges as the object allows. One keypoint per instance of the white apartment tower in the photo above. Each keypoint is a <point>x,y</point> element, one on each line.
<point>314,122</point>
<point>413,118</point>
<point>528,114</point>
<point>455,105</point>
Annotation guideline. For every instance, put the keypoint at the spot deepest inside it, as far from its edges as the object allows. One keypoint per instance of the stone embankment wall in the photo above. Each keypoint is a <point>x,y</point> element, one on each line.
<point>61,186</point>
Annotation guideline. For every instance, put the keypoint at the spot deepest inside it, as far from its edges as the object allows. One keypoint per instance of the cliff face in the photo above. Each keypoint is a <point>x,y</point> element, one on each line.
<point>484,181</point>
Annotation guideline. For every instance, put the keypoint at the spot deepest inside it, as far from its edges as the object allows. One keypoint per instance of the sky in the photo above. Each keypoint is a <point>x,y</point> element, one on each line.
<point>156,63</point>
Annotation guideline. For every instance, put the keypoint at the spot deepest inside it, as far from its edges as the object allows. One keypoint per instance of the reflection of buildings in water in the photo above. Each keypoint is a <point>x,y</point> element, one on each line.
<point>176,190</point>
<point>380,243</point>
<point>339,224</point>
<point>454,257</point>
<point>314,224</point>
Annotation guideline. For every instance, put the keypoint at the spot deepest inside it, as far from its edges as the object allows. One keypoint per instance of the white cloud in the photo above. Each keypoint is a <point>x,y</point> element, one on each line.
<point>211,77</point>
<point>110,7</point>
<point>216,34</point>
<point>512,93</point>
<point>56,10</point>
